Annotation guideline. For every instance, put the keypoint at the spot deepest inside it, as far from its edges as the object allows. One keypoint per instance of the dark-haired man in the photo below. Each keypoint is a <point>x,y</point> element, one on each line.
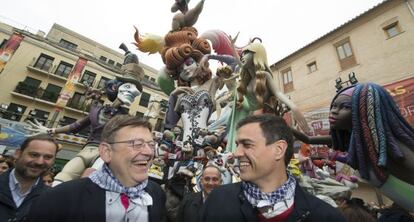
<point>267,192</point>
<point>120,190</point>
<point>20,186</point>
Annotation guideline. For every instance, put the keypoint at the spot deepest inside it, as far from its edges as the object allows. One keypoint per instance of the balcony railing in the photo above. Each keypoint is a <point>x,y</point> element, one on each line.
<point>36,92</point>
<point>78,106</point>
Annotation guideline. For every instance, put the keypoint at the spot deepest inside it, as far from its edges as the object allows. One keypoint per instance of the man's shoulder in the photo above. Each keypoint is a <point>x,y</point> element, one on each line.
<point>77,185</point>
<point>4,178</point>
<point>192,196</point>
<point>318,208</point>
<point>227,191</point>
<point>153,186</point>
<point>229,187</point>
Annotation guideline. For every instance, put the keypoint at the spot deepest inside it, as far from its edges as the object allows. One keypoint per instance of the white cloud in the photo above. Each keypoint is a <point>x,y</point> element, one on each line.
<point>284,26</point>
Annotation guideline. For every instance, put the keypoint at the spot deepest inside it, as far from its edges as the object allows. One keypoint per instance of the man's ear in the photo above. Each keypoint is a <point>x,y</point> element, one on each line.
<point>105,152</point>
<point>280,149</point>
<point>17,154</point>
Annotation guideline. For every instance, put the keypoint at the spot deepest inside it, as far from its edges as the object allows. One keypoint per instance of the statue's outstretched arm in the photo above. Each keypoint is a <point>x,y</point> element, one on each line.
<point>297,115</point>
<point>325,140</point>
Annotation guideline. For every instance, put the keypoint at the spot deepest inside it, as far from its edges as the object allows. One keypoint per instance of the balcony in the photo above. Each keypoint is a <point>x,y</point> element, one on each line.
<point>36,93</point>
<point>45,70</point>
<point>78,106</point>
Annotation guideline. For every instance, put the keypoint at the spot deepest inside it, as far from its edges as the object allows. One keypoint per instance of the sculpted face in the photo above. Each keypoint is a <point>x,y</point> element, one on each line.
<point>111,89</point>
<point>189,70</point>
<point>247,59</point>
<point>340,116</point>
<point>127,93</point>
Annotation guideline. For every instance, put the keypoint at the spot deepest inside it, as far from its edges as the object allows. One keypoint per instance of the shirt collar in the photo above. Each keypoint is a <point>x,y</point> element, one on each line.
<point>15,184</point>
<point>144,200</point>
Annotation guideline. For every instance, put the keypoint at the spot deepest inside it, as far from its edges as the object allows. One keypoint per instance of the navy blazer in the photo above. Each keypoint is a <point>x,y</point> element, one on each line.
<point>83,200</point>
<point>228,203</point>
<point>190,208</point>
<point>8,209</point>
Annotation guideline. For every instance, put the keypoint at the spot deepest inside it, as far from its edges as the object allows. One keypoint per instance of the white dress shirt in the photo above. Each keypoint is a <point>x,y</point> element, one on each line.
<point>16,191</point>
<point>137,209</point>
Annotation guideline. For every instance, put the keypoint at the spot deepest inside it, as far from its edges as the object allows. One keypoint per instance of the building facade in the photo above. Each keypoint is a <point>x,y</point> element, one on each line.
<point>377,46</point>
<point>34,76</point>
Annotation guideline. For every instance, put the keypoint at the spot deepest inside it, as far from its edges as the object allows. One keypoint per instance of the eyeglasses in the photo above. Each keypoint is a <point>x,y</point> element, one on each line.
<point>138,144</point>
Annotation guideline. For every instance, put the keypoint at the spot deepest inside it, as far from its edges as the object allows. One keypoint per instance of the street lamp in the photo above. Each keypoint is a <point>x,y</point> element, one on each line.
<point>338,84</point>
<point>352,79</point>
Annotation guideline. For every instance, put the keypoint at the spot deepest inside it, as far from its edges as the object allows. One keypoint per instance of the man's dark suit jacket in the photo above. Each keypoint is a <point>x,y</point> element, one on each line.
<point>83,200</point>
<point>8,209</point>
<point>190,208</point>
<point>228,203</point>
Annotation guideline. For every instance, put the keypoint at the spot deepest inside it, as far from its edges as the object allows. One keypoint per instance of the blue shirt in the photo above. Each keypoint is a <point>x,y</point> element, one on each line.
<point>15,189</point>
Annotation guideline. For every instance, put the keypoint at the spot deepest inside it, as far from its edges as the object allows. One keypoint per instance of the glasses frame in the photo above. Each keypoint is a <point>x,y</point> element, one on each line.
<point>132,144</point>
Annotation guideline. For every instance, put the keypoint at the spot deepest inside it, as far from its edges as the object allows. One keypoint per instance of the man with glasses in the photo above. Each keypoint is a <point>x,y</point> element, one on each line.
<point>267,191</point>
<point>120,190</point>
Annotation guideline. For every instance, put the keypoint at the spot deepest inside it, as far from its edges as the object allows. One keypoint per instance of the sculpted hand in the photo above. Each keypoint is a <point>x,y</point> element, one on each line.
<point>300,119</point>
<point>204,62</point>
<point>37,128</point>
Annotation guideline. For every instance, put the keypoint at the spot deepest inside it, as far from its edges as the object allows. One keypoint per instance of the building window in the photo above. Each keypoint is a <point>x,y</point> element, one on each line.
<point>287,80</point>
<point>102,82</point>
<point>345,54</point>
<point>44,62</point>
<point>64,69</point>
<point>145,97</point>
<point>66,121</point>
<point>139,114</point>
<point>40,115</point>
<point>159,124</point>
<point>68,45</point>
<point>88,78</point>
<point>164,105</point>
<point>32,82</point>
<point>392,30</point>
<point>51,93</point>
<point>29,86</point>
<point>312,67</point>
<point>14,112</point>
<point>77,101</point>
<point>3,43</point>
<point>103,58</point>
<point>118,65</point>
<point>111,62</point>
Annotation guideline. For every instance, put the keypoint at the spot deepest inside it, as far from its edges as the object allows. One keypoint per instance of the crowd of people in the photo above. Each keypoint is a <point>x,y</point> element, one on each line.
<point>122,190</point>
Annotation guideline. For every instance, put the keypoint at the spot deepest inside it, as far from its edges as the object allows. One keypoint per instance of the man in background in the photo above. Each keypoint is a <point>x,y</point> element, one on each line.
<point>20,186</point>
<point>190,207</point>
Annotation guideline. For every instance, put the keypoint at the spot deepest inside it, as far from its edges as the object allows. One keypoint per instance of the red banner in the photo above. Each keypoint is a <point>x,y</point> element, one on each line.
<point>7,51</point>
<point>403,94</point>
<point>69,87</point>
<point>318,121</point>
